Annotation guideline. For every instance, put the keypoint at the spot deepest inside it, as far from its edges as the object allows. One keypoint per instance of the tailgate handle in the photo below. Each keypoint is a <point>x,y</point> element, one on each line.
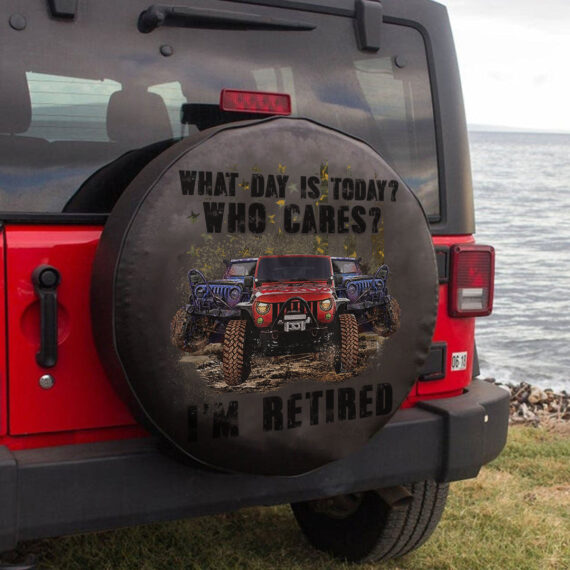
<point>46,280</point>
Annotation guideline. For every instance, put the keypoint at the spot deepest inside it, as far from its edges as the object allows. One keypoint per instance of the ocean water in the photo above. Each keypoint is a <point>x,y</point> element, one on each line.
<point>522,195</point>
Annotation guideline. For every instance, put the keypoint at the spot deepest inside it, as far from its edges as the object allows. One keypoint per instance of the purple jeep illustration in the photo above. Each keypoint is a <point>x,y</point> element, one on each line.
<point>368,297</point>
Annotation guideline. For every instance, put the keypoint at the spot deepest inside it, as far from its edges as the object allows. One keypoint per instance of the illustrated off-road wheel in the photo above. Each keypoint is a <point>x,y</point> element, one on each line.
<point>364,527</point>
<point>178,329</point>
<point>347,356</point>
<point>187,340</point>
<point>391,318</point>
<point>236,360</point>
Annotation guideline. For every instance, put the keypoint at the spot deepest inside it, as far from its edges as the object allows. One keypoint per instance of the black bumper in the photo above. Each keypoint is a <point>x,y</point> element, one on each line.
<point>75,488</point>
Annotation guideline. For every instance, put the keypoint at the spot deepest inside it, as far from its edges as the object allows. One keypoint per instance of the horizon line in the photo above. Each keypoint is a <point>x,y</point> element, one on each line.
<point>477,127</point>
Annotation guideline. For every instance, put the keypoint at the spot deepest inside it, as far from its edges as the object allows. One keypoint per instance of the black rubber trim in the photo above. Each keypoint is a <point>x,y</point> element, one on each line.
<point>475,429</point>
<point>442,258</point>
<point>79,488</point>
<point>476,369</point>
<point>64,9</point>
<point>434,366</point>
<point>8,499</point>
<point>36,218</point>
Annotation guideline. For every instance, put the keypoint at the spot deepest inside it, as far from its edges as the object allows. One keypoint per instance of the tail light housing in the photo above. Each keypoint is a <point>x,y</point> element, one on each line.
<point>263,103</point>
<point>472,280</point>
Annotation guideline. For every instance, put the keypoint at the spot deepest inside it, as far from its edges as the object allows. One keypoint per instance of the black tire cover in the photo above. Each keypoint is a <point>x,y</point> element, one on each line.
<point>294,413</point>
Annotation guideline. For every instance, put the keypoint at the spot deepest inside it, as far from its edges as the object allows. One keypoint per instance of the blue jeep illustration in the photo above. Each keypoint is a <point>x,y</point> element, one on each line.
<point>368,297</point>
<point>211,305</point>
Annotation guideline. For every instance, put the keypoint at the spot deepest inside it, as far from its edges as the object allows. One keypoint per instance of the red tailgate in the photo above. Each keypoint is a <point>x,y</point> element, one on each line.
<point>81,397</point>
<point>457,334</point>
<point>3,374</point>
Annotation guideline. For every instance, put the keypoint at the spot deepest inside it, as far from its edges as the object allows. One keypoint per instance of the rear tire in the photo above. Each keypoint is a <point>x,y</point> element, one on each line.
<point>371,530</point>
<point>347,357</point>
<point>236,359</point>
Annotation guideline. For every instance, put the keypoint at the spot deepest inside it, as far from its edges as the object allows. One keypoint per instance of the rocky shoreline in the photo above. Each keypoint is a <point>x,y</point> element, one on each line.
<point>532,405</point>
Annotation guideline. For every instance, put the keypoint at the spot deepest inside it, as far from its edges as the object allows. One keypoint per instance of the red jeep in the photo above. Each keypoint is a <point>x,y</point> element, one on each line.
<point>140,141</point>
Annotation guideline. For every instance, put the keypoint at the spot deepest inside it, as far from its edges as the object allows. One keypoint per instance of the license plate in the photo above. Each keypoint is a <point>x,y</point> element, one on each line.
<point>458,361</point>
<point>294,326</point>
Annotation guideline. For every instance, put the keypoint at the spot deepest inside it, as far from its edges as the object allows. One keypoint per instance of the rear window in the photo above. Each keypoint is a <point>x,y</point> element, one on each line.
<point>344,266</point>
<point>86,104</point>
<point>242,269</point>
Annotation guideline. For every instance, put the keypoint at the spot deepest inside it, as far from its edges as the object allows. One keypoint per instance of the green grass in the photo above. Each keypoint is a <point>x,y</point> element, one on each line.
<point>516,514</point>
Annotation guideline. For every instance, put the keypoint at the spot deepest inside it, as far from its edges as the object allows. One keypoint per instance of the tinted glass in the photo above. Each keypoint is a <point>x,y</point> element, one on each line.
<point>294,268</point>
<point>345,266</point>
<point>242,269</point>
<point>83,102</point>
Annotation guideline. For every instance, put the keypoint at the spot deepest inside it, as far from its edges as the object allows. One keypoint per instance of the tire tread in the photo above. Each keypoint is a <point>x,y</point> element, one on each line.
<point>348,342</point>
<point>235,358</point>
<point>395,531</point>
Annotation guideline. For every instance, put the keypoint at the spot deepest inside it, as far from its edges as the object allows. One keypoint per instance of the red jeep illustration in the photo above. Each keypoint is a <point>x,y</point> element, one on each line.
<point>294,308</point>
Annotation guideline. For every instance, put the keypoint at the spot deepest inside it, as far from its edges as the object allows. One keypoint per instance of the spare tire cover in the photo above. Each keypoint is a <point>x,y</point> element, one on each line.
<point>288,391</point>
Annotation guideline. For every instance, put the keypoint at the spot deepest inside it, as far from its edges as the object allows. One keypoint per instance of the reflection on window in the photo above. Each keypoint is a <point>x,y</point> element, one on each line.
<point>344,266</point>
<point>383,92</point>
<point>276,80</point>
<point>400,103</point>
<point>173,98</point>
<point>69,108</point>
<point>242,269</point>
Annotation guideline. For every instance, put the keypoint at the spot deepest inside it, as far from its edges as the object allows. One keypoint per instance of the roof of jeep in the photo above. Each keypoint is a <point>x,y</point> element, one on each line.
<point>341,7</point>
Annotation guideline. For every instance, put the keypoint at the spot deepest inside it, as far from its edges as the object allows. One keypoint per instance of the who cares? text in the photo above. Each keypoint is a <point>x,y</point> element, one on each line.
<point>319,216</point>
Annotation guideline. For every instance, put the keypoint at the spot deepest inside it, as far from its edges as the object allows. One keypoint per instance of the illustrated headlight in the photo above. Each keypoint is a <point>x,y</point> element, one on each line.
<point>200,291</point>
<point>234,295</point>
<point>326,304</point>
<point>352,291</point>
<point>262,308</point>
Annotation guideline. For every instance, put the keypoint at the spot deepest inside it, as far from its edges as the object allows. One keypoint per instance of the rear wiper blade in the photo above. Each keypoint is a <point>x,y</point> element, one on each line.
<point>160,15</point>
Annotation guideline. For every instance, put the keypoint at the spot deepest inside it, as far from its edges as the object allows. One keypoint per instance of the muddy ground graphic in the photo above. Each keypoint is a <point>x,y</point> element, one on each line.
<point>269,373</point>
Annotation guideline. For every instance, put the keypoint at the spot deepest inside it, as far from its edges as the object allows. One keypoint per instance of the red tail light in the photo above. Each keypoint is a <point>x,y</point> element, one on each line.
<point>472,280</point>
<point>255,102</point>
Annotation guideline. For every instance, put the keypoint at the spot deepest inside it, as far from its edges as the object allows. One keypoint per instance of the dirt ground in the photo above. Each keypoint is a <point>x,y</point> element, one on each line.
<point>268,373</point>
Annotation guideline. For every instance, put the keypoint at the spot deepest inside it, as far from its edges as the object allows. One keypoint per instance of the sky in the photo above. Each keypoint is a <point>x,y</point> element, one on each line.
<point>514,59</point>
